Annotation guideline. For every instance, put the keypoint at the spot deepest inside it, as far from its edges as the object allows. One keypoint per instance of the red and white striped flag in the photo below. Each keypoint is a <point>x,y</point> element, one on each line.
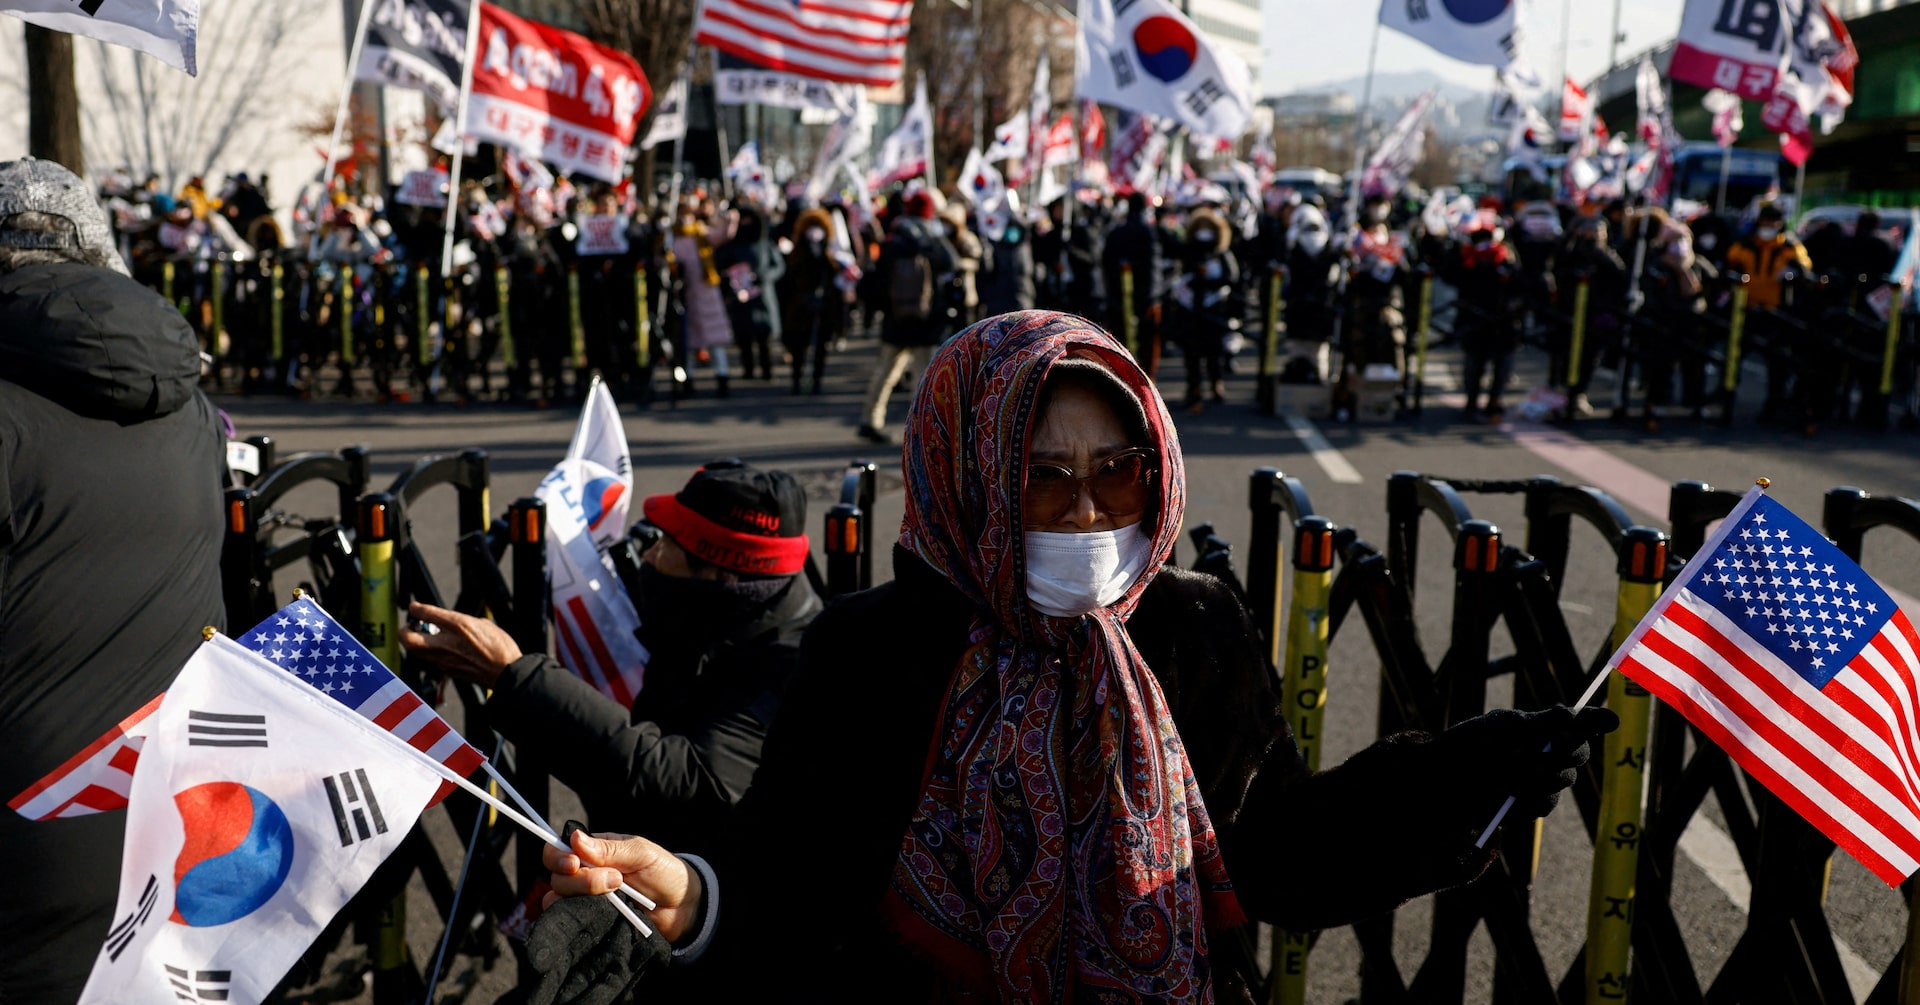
<point>94,780</point>
<point>855,41</point>
<point>1796,663</point>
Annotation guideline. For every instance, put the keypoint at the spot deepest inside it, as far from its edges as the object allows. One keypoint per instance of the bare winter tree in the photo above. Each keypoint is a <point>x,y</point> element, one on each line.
<point>654,32</point>
<point>162,121</point>
<point>942,44</point>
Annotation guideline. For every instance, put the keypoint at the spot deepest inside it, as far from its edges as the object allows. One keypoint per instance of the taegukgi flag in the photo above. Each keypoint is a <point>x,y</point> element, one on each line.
<point>587,495</point>
<point>1472,31</point>
<point>908,150</point>
<point>260,807</point>
<point>1145,56</point>
<point>419,45</point>
<point>167,30</point>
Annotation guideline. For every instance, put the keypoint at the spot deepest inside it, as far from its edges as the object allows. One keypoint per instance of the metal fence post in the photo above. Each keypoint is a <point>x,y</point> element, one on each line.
<point>275,321</point>
<point>1736,329</point>
<point>1263,558</point>
<point>343,303</point>
<point>1617,837</point>
<point>1577,345</point>
<point>1423,332</point>
<point>1129,324</point>
<point>503,313</point>
<point>1270,342</point>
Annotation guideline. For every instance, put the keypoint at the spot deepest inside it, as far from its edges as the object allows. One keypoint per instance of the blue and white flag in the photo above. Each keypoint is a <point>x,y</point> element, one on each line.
<point>167,30</point>
<point>259,808</point>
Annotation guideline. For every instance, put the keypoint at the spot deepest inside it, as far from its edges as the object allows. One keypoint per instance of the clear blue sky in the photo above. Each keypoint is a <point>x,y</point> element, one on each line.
<point>1314,42</point>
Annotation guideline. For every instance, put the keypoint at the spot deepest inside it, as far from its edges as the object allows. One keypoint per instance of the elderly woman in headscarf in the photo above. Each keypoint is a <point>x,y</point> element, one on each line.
<point>1041,764</point>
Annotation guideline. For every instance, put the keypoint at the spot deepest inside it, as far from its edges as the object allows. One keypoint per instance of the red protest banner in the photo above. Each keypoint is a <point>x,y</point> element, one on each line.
<point>555,95</point>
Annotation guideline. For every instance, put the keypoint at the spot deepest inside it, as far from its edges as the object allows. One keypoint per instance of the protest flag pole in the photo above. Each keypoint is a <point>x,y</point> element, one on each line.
<point>460,135</point>
<point>340,122</point>
<point>686,111</point>
<point>1360,128</point>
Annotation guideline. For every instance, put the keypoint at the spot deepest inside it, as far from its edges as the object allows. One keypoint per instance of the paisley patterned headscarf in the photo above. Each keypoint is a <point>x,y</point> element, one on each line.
<point>1060,847</point>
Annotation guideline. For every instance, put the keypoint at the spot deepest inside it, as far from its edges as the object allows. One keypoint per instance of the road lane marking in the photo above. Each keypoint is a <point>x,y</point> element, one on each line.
<point>1330,460</point>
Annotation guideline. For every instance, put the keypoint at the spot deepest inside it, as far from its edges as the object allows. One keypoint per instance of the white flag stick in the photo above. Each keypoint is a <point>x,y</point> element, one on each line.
<point>460,136</point>
<point>339,124</point>
<point>507,787</point>
<point>1501,814</point>
<point>268,666</point>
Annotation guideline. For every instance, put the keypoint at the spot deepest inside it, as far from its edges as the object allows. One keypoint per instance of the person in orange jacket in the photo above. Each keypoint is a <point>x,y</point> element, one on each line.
<point>1765,256</point>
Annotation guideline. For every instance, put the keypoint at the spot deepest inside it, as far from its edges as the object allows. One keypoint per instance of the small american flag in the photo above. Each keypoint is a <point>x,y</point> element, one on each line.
<point>1790,658</point>
<point>94,780</point>
<point>855,41</point>
<point>306,642</point>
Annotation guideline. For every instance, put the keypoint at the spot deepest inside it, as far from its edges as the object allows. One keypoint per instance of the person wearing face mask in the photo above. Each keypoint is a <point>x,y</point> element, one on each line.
<point>1208,293</point>
<point>722,602</point>
<point>1766,257</point>
<point>811,295</point>
<point>1041,764</point>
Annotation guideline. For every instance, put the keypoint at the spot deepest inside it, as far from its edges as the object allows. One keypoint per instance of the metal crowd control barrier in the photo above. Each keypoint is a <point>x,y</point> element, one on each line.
<point>849,531</point>
<point>249,557</point>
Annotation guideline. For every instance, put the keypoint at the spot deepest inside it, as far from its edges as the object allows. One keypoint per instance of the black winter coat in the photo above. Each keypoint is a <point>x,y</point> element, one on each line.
<point>816,836</point>
<point>673,766</point>
<point>111,465</point>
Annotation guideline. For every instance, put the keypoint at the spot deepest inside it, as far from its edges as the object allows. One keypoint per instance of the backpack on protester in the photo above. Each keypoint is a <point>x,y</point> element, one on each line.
<point>910,280</point>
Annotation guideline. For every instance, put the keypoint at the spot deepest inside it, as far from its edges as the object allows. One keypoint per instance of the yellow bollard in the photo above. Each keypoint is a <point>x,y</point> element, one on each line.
<point>344,305</point>
<point>217,329</point>
<point>1577,346</point>
<point>1421,333</point>
<point>279,301</point>
<point>1893,337</point>
<point>579,344</point>
<point>1303,694</point>
<point>423,346</point>
<point>1623,781</point>
<point>379,617</point>
<point>1736,325</point>
<point>503,288</point>
<point>642,319</point>
<point>1270,343</point>
<point>1129,325</point>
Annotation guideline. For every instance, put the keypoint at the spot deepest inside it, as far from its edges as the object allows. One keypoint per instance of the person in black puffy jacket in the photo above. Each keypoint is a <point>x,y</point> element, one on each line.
<point>111,465</point>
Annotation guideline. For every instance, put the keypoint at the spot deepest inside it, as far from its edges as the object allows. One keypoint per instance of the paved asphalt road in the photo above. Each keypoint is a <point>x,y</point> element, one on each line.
<point>1345,468</point>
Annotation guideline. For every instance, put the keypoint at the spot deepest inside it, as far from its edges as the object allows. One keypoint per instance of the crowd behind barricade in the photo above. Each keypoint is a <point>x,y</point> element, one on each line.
<point>551,281</point>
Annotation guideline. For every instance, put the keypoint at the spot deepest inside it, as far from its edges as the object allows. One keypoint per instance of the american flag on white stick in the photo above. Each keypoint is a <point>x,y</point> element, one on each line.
<point>94,780</point>
<point>1789,657</point>
<point>855,41</point>
<point>305,641</point>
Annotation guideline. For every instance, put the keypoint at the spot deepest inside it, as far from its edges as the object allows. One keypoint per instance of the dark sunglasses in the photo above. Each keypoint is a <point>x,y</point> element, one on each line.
<point>1121,486</point>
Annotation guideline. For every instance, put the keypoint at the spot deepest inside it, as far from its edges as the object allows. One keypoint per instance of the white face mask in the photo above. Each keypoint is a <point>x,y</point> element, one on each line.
<point>1767,233</point>
<point>1071,574</point>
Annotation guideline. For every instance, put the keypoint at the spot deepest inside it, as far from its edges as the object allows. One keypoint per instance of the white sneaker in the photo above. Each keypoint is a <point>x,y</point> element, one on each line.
<point>1581,407</point>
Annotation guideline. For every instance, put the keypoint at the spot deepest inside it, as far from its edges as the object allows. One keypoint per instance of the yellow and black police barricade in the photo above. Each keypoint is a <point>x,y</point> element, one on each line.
<point>849,529</point>
<point>1303,698</point>
<point>1270,338</point>
<point>255,547</point>
<point>1730,360</point>
<point>1623,779</point>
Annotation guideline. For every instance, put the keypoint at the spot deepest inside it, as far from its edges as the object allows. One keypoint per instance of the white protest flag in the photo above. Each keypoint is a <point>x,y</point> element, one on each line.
<point>1481,31</point>
<point>587,495</point>
<point>1146,56</point>
<point>1727,120</point>
<point>1576,111</point>
<point>167,30</point>
<point>1009,139</point>
<point>745,161</point>
<point>908,150</point>
<point>1039,103</point>
<point>980,182</point>
<point>259,808</point>
<point>1734,45</point>
<point>1402,148</point>
<point>848,139</point>
<point>670,118</point>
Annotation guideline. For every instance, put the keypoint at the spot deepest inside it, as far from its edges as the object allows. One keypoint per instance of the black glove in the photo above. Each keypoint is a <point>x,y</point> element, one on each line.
<point>588,954</point>
<point>1530,756</point>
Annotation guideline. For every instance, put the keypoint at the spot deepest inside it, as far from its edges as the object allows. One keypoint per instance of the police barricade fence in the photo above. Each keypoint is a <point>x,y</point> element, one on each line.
<point>364,564</point>
<point>1636,796</point>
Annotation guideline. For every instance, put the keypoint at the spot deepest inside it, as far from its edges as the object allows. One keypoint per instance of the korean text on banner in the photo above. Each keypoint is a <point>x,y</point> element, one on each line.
<point>587,496</point>
<point>417,45</point>
<point>259,809</point>
<point>1146,56</point>
<point>555,96</point>
<point>167,30</point>
<point>1730,44</point>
